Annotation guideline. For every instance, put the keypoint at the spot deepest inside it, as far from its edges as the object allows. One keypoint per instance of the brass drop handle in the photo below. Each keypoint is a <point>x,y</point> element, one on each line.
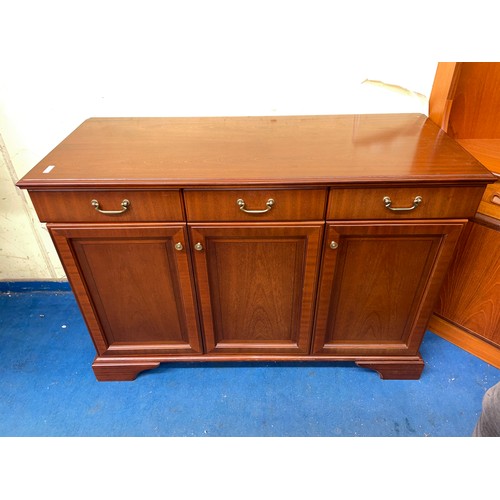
<point>269,204</point>
<point>178,246</point>
<point>198,247</point>
<point>388,203</point>
<point>125,206</point>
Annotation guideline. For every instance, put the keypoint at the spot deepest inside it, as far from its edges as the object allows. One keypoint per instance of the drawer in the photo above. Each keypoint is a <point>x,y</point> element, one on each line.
<point>490,203</point>
<point>255,205</point>
<point>428,202</point>
<point>76,206</point>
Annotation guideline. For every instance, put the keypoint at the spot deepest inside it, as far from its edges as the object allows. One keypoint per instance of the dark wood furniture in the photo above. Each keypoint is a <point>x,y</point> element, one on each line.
<point>305,238</point>
<point>465,102</point>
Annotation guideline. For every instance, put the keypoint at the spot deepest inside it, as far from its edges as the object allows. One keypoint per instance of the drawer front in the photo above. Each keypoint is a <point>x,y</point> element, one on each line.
<point>403,202</point>
<point>490,203</point>
<point>108,206</point>
<point>255,205</point>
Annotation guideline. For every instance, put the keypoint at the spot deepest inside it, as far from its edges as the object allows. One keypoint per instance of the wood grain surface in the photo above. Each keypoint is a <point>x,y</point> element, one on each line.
<point>308,150</point>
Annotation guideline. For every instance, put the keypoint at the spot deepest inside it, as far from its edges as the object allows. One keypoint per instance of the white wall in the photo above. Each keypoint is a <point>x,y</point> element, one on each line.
<point>64,61</point>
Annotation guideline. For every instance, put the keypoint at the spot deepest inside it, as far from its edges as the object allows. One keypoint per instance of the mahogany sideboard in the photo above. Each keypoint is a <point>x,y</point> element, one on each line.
<point>298,238</point>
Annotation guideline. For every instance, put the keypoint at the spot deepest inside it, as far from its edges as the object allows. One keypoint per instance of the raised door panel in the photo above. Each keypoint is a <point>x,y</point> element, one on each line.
<point>134,288</point>
<point>470,296</point>
<point>378,285</point>
<point>257,286</point>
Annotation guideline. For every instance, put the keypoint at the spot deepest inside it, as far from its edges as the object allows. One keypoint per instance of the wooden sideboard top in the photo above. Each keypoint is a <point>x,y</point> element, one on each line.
<point>272,150</point>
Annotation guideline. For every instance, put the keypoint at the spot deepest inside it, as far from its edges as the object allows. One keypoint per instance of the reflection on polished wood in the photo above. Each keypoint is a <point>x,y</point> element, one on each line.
<point>304,150</point>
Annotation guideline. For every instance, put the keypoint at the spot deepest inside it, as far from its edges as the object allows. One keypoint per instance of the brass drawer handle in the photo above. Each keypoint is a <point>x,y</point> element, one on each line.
<point>269,205</point>
<point>416,203</point>
<point>495,199</point>
<point>125,206</point>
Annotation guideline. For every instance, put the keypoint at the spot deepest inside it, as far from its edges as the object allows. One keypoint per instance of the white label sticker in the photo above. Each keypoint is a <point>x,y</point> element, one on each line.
<point>49,169</point>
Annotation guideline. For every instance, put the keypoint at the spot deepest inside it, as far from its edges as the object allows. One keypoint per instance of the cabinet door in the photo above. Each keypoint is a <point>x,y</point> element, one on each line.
<point>378,285</point>
<point>470,297</point>
<point>257,286</point>
<point>133,286</point>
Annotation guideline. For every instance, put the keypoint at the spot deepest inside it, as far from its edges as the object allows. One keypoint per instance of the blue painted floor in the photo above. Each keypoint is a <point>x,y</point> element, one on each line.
<point>47,388</point>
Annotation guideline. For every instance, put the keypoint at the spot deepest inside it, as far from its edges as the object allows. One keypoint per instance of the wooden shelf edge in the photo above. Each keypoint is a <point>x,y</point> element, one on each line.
<point>465,340</point>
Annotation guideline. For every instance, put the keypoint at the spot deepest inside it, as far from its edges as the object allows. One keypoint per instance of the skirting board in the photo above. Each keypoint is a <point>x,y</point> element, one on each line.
<point>465,340</point>
<point>34,286</point>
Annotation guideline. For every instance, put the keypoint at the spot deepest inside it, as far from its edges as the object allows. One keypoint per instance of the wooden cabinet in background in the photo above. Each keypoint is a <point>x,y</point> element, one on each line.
<point>471,292</point>
<point>307,238</point>
<point>465,102</point>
